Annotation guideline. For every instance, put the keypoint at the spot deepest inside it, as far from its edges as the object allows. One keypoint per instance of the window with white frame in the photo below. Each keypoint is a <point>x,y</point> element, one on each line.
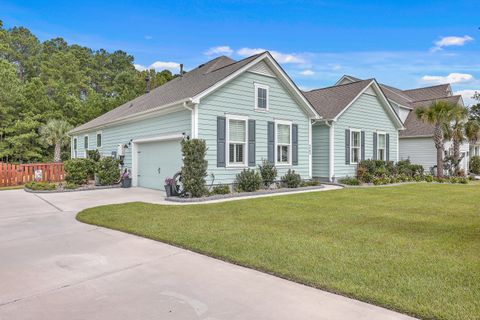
<point>75,147</point>
<point>261,96</point>
<point>382,146</point>
<point>354,146</point>
<point>85,142</point>
<point>237,137</point>
<point>99,139</point>
<point>284,142</point>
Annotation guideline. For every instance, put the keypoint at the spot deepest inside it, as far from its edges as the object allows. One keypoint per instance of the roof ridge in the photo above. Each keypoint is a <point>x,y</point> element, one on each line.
<point>438,98</point>
<point>339,85</point>
<point>437,85</point>
<point>228,65</point>
<point>386,86</point>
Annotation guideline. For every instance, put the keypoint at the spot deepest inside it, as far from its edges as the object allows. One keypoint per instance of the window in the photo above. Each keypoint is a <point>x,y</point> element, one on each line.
<point>237,137</point>
<point>381,147</point>
<point>261,97</point>
<point>85,142</point>
<point>284,143</point>
<point>354,146</point>
<point>74,143</point>
<point>99,139</point>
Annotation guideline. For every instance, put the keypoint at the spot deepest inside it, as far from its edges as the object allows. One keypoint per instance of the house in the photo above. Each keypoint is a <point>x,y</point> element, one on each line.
<point>246,111</point>
<point>416,141</point>
<point>358,122</point>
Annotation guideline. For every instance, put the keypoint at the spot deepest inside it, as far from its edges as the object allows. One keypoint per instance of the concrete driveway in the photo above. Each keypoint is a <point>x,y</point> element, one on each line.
<point>53,267</point>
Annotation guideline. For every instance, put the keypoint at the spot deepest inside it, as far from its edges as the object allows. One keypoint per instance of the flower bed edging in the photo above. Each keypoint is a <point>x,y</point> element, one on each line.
<point>242,194</point>
<point>72,190</point>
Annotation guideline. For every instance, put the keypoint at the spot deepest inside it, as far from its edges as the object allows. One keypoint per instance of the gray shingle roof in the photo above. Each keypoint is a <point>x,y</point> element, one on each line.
<point>427,93</point>
<point>180,88</point>
<point>330,101</point>
<point>416,127</point>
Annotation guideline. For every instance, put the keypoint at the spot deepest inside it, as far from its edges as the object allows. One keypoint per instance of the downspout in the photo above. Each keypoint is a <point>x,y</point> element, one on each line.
<point>331,150</point>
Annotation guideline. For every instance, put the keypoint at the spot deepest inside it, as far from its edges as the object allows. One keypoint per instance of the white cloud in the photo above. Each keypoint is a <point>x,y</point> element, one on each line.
<point>226,50</point>
<point>451,78</point>
<point>139,67</point>
<point>307,72</point>
<point>451,41</point>
<point>467,96</point>
<point>279,56</point>
<point>159,65</point>
<point>148,37</point>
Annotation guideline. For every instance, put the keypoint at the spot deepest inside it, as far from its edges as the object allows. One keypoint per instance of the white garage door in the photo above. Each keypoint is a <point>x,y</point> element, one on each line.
<point>157,161</point>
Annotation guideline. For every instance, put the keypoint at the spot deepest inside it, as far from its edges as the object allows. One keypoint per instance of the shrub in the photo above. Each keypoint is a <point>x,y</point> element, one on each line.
<point>311,183</point>
<point>351,181</point>
<point>194,169</point>
<point>94,155</point>
<point>463,180</point>
<point>475,164</point>
<point>40,185</point>
<point>70,185</point>
<point>107,171</point>
<point>79,170</point>
<point>429,178</point>
<point>268,173</point>
<point>220,189</point>
<point>248,180</point>
<point>291,179</point>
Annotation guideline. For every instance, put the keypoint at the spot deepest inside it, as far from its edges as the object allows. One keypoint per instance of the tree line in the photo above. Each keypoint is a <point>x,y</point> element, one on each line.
<point>54,80</point>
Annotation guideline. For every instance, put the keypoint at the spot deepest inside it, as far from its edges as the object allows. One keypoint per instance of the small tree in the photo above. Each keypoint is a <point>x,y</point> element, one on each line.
<point>455,131</point>
<point>54,133</point>
<point>194,169</point>
<point>437,114</point>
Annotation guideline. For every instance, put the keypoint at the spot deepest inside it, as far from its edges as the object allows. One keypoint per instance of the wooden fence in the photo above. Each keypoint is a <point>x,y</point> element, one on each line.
<point>18,174</point>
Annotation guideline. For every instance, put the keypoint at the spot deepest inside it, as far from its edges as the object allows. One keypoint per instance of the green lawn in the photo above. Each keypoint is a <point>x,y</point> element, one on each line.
<point>413,248</point>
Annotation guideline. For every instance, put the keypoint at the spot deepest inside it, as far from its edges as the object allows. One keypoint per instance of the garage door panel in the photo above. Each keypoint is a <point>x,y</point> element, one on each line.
<point>157,161</point>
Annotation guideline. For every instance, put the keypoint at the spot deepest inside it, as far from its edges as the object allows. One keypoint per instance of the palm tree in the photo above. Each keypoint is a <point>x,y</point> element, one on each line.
<point>55,133</point>
<point>455,131</point>
<point>472,130</point>
<point>438,114</point>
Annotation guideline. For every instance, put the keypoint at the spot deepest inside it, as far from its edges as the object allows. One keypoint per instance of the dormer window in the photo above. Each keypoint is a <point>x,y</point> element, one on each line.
<point>261,97</point>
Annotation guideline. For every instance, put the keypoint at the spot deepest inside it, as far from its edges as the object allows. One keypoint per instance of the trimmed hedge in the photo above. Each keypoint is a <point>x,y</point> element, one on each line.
<point>268,173</point>
<point>194,169</point>
<point>79,170</point>
<point>107,171</point>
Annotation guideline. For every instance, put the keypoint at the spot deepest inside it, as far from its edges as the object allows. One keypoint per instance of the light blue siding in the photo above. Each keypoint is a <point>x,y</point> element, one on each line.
<point>366,114</point>
<point>320,151</point>
<point>237,98</point>
<point>172,123</point>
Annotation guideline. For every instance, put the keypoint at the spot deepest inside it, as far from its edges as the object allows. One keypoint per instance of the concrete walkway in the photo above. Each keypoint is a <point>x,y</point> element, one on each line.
<point>53,267</point>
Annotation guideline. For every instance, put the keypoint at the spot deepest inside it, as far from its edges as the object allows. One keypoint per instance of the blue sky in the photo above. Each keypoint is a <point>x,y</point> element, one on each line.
<point>401,43</point>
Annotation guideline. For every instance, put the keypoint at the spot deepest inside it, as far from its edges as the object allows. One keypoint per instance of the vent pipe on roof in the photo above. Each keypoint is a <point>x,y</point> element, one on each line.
<point>181,69</point>
<point>147,83</point>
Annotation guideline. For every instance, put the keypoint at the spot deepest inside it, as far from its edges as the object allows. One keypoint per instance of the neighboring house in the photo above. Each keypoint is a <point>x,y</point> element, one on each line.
<point>246,111</point>
<point>358,123</point>
<point>416,141</point>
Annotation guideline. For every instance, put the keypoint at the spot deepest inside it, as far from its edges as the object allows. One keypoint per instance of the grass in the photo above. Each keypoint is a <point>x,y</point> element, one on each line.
<point>413,248</point>
<point>12,187</point>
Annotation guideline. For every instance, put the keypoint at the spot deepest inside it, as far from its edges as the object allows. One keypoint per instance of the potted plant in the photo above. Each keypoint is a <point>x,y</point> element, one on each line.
<point>126,180</point>
<point>170,186</point>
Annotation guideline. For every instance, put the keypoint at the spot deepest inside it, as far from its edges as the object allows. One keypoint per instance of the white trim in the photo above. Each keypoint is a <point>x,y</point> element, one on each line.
<point>195,118</point>
<point>345,77</point>
<point>229,117</point>
<point>74,147</point>
<point>310,165</point>
<point>382,97</point>
<point>135,142</point>
<point>282,76</point>
<point>288,123</point>
<point>398,147</point>
<point>100,132</point>
<point>359,147</point>
<point>383,133</point>
<point>257,86</point>
<point>331,152</point>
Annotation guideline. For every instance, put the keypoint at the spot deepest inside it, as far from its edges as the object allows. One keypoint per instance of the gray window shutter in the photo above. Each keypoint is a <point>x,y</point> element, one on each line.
<point>251,143</point>
<point>375,146</point>
<point>363,146</point>
<point>347,146</point>
<point>271,142</point>
<point>295,144</point>
<point>221,140</point>
<point>387,147</point>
